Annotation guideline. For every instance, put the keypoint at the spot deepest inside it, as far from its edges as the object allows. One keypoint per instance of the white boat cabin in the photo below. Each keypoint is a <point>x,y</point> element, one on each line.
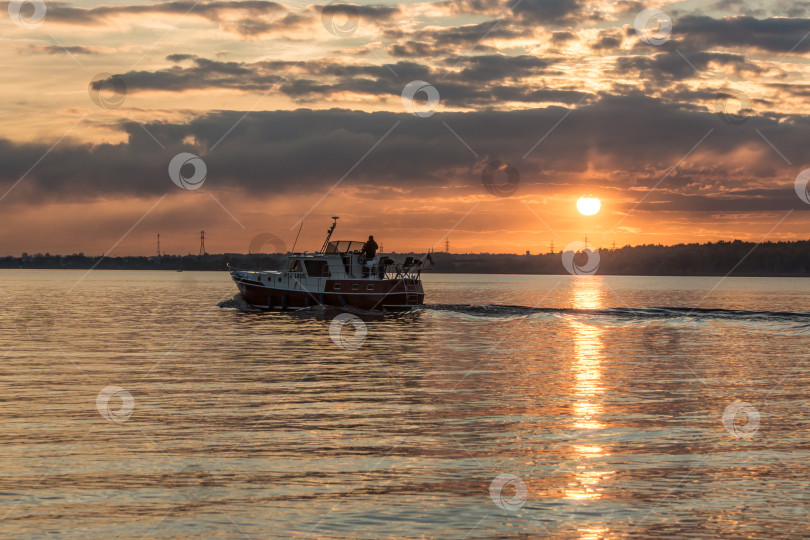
<point>341,261</point>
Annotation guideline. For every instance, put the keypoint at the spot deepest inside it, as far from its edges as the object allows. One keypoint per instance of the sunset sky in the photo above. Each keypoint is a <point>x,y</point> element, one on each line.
<point>297,111</point>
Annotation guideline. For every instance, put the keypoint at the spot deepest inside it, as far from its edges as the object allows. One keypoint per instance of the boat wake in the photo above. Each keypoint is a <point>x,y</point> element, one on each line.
<point>659,312</point>
<point>617,316</point>
<point>607,316</point>
<point>238,303</point>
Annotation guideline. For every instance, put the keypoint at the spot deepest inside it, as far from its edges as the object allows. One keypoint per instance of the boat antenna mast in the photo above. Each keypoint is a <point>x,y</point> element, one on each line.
<point>329,233</point>
<point>296,237</point>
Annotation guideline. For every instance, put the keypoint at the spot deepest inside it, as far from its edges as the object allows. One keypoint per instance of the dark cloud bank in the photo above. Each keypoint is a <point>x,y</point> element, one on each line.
<point>633,139</point>
<point>481,80</point>
<point>248,18</point>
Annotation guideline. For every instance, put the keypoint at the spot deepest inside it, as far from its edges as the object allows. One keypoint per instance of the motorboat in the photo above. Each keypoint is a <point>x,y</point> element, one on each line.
<point>338,275</point>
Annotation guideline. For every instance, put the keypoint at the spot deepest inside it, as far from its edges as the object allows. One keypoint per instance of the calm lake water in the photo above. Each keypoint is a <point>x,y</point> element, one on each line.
<point>134,407</point>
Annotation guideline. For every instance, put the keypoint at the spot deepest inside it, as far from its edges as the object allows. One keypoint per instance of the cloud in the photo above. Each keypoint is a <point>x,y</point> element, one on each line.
<point>475,80</point>
<point>204,74</point>
<point>498,67</point>
<point>628,142</point>
<point>463,37</point>
<point>608,40</point>
<point>510,93</point>
<point>677,65</point>
<point>212,10</point>
<point>365,12</point>
<point>466,7</point>
<point>549,12</point>
<point>771,200</point>
<point>562,36</point>
<point>797,90</point>
<point>780,35</point>
<point>423,49</point>
<point>58,49</point>
<point>248,18</point>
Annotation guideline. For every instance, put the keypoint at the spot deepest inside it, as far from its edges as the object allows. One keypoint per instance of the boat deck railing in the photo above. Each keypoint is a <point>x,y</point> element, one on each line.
<point>409,269</point>
<point>250,274</point>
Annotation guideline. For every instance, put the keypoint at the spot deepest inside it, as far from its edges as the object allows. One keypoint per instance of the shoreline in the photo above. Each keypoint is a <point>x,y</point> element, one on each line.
<point>436,272</point>
<point>737,258</point>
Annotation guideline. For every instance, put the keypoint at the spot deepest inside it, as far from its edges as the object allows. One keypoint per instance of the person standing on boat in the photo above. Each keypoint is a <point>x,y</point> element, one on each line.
<point>370,252</point>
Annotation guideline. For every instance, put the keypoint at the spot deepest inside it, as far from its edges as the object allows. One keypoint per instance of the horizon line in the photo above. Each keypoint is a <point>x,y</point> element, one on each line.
<point>528,251</point>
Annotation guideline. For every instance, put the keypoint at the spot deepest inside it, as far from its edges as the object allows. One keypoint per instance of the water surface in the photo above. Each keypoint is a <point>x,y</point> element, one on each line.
<point>603,403</point>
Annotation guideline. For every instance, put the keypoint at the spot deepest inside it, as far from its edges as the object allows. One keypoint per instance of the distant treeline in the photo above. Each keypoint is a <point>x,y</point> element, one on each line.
<point>714,258</point>
<point>164,262</point>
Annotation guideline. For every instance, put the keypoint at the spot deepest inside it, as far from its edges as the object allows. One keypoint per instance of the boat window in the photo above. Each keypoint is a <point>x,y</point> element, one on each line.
<point>317,268</point>
<point>355,286</point>
<point>295,266</point>
<point>370,287</point>
<point>337,286</point>
<point>344,246</point>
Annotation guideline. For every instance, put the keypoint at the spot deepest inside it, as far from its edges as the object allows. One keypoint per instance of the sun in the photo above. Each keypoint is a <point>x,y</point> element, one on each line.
<point>588,206</point>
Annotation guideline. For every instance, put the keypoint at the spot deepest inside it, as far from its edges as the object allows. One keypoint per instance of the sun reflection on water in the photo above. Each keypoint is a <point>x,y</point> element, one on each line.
<point>586,481</point>
<point>588,355</point>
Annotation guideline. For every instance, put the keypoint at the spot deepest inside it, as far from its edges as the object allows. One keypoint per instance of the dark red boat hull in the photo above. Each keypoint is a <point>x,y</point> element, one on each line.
<point>387,295</point>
